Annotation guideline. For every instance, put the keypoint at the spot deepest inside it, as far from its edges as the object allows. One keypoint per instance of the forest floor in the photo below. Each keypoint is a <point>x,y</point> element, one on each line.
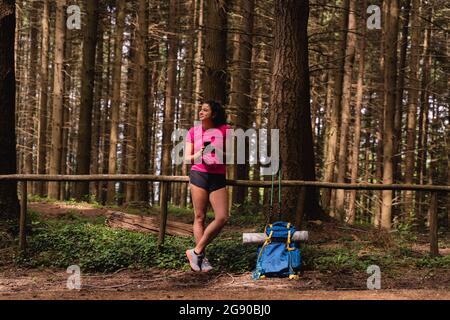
<point>401,282</point>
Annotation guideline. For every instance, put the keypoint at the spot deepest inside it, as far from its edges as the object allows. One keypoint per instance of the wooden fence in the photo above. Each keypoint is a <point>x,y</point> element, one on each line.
<point>165,187</point>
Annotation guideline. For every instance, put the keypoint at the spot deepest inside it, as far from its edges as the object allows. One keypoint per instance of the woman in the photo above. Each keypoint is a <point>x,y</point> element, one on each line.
<point>205,148</point>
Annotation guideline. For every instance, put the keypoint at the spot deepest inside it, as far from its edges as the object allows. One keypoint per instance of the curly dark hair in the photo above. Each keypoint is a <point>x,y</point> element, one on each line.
<point>219,114</point>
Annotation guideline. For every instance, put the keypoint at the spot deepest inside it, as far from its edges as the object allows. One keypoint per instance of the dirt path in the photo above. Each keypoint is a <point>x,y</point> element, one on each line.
<point>179,285</point>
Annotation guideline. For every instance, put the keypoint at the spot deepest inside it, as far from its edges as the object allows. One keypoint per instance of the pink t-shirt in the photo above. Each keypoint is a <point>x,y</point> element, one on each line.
<point>210,161</point>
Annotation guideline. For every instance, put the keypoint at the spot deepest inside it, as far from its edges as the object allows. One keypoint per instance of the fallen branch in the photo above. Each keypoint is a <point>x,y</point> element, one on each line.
<point>132,222</point>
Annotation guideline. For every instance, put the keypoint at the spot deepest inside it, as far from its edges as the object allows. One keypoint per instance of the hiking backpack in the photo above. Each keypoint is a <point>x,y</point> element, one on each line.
<point>278,256</point>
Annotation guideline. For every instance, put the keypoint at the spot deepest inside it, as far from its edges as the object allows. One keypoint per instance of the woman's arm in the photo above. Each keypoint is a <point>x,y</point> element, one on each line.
<point>189,158</point>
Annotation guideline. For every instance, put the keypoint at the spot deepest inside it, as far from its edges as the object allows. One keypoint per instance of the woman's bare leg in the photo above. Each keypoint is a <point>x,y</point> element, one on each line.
<point>219,203</point>
<point>200,204</point>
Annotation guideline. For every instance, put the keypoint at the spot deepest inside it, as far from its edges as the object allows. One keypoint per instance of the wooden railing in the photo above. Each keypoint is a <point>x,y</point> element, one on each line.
<point>165,186</point>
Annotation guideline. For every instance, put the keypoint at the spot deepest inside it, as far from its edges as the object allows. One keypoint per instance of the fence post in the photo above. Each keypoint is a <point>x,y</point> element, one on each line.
<point>165,187</point>
<point>434,247</point>
<point>23,217</point>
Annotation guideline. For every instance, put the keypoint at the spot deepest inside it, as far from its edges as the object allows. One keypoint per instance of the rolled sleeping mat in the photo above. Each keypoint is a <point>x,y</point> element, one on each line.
<point>261,237</point>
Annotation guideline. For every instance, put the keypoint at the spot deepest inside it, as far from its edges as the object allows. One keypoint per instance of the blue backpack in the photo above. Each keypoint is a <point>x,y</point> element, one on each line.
<point>278,256</point>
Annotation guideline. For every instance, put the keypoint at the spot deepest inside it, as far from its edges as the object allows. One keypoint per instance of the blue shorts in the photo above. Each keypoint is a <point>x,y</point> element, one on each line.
<point>208,181</point>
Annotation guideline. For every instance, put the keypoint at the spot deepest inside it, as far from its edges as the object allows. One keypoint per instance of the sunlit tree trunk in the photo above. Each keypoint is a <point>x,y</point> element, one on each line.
<point>43,107</point>
<point>332,127</point>
<point>58,98</point>
<point>345,113</point>
<point>116,98</point>
<point>413,101</point>
<point>357,125</point>
<point>390,33</point>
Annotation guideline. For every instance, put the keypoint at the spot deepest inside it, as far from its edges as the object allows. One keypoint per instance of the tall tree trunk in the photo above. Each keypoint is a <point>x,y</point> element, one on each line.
<point>142,100</point>
<point>87,97</point>
<point>400,89</point>
<point>32,103</point>
<point>98,96</point>
<point>169,110</point>
<point>214,76</point>
<point>154,54</point>
<point>42,139</point>
<point>357,126</point>
<point>255,196</point>
<point>332,129</point>
<point>390,32</point>
<point>105,127</point>
<point>115,106</point>
<point>413,100</point>
<point>58,98</point>
<point>198,56</point>
<point>424,121</point>
<point>241,76</point>
<point>131,118</point>
<point>290,105</point>
<point>9,204</point>
<point>188,100</point>
<point>345,113</point>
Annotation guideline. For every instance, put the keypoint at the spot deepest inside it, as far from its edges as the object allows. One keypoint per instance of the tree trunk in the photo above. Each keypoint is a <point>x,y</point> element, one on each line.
<point>58,98</point>
<point>32,103</point>
<point>87,98</point>
<point>290,105</point>
<point>188,100</point>
<point>413,100</point>
<point>424,122</point>
<point>142,100</point>
<point>105,116</point>
<point>357,126</point>
<point>131,144</point>
<point>345,113</point>
<point>98,96</point>
<point>169,110</point>
<point>215,73</point>
<point>390,32</point>
<point>332,129</point>
<point>9,203</point>
<point>241,76</point>
<point>400,90</point>
<point>255,196</point>
<point>198,56</point>
<point>115,105</point>
<point>42,139</point>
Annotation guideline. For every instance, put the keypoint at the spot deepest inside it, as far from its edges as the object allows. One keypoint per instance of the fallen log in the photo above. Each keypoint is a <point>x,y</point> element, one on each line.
<point>132,222</point>
<point>248,238</point>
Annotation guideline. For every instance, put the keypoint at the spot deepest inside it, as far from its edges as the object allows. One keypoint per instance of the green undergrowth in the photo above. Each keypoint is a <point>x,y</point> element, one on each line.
<point>98,248</point>
<point>73,239</point>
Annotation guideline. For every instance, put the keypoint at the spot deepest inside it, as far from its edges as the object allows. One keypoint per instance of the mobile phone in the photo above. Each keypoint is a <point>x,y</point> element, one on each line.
<point>206,143</point>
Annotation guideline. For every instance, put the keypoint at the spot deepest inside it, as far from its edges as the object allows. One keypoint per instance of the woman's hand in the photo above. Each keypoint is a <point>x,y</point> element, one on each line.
<point>199,153</point>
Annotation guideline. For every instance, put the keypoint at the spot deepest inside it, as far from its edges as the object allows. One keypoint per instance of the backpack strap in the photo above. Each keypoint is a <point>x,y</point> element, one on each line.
<point>288,241</point>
